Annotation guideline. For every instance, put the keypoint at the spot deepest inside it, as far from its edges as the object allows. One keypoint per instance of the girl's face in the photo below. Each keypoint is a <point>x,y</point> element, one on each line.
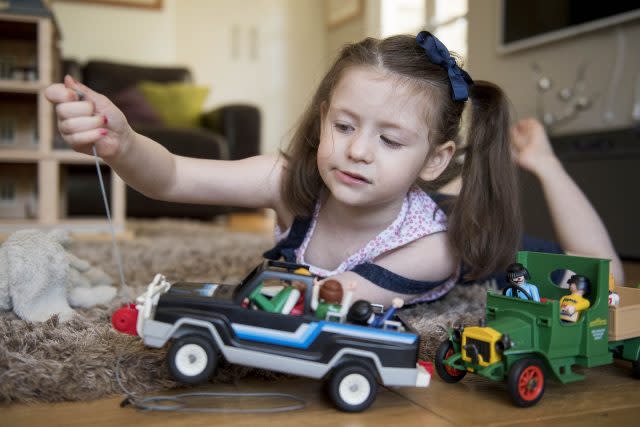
<point>374,139</point>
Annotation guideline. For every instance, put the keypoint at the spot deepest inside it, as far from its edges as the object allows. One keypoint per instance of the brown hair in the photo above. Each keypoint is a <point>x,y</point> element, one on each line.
<point>331,291</point>
<point>484,222</point>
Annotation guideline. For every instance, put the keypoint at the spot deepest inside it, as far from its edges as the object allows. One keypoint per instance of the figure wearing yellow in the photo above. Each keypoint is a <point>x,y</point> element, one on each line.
<point>571,305</point>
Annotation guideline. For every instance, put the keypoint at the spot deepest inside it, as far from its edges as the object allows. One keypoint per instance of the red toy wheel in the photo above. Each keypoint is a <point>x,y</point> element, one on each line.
<point>125,319</point>
<point>447,373</point>
<point>526,382</point>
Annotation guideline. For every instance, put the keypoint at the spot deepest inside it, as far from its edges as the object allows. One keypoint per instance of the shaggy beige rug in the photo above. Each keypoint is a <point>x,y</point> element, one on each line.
<point>54,361</point>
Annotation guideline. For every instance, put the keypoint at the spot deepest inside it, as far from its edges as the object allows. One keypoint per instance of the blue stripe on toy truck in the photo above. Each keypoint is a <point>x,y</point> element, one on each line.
<point>306,334</point>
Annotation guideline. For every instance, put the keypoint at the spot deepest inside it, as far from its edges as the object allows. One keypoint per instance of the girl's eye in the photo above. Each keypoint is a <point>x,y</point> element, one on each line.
<point>343,127</point>
<point>389,143</point>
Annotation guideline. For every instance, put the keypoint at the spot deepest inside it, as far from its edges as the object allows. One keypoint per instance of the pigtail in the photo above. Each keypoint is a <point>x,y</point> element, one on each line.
<point>485,223</point>
<point>301,181</point>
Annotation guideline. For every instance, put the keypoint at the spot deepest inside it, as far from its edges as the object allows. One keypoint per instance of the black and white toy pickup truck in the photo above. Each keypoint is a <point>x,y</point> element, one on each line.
<point>206,321</point>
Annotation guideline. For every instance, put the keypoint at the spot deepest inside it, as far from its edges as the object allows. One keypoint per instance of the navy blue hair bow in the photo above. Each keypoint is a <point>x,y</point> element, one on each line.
<point>438,54</point>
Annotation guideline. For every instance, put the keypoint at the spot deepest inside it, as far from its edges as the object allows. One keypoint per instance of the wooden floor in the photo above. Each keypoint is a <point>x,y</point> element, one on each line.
<point>608,396</point>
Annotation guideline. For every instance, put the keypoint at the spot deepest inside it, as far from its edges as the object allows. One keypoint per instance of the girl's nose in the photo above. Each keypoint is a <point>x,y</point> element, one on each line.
<point>360,149</point>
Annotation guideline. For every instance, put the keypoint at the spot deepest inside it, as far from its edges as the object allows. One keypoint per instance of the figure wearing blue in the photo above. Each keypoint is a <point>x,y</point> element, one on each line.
<point>517,276</point>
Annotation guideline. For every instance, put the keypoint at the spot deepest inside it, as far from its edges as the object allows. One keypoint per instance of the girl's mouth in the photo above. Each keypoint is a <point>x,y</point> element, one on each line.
<point>351,177</point>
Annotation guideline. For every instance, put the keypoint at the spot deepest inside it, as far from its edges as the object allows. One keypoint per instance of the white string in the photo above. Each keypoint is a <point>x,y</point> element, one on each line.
<point>116,252</point>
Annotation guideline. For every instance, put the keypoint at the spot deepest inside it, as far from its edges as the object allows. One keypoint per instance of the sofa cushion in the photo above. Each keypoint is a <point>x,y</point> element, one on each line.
<point>179,104</point>
<point>136,108</point>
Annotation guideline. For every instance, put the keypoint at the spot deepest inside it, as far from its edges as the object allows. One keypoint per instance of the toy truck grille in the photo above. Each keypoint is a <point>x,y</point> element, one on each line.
<point>483,349</point>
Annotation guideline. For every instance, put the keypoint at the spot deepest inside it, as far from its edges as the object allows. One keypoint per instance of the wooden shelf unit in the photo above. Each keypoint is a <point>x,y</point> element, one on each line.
<point>38,33</point>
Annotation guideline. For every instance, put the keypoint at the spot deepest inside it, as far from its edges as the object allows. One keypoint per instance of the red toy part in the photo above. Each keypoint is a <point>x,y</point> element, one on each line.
<point>426,365</point>
<point>298,309</point>
<point>125,319</point>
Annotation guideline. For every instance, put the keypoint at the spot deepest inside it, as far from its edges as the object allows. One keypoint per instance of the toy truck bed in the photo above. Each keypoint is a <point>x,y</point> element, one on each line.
<point>624,319</point>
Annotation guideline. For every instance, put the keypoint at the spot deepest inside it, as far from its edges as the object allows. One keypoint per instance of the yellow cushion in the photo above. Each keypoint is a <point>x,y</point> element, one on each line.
<point>179,104</point>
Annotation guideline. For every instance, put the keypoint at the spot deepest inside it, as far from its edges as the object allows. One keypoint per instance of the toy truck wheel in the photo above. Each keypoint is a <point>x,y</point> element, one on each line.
<point>635,369</point>
<point>526,382</point>
<point>192,359</point>
<point>352,388</point>
<point>447,373</point>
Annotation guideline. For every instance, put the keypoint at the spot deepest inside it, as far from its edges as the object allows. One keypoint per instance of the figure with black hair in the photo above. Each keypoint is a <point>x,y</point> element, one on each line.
<point>518,277</point>
<point>571,305</point>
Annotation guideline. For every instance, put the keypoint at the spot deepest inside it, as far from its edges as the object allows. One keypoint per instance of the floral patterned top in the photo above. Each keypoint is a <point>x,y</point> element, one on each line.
<point>419,216</point>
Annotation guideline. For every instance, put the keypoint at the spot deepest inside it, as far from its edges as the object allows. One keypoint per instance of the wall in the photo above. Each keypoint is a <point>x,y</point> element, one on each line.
<point>560,60</point>
<point>117,33</point>
<point>266,52</point>
<point>366,24</point>
<point>276,70</point>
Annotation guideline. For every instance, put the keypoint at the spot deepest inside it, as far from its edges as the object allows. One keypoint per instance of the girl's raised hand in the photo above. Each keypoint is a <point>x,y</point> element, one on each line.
<point>531,147</point>
<point>86,117</point>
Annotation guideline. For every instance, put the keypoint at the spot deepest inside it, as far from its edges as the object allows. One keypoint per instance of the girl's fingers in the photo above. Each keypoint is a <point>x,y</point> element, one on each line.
<point>516,138</point>
<point>58,93</point>
<point>68,110</point>
<point>80,140</point>
<point>86,93</point>
<point>81,124</point>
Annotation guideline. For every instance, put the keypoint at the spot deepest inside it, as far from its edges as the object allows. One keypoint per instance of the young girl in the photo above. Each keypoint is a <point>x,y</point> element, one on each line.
<point>386,116</point>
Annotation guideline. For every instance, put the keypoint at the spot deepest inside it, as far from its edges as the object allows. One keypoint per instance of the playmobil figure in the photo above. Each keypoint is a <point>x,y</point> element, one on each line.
<point>329,299</point>
<point>571,305</point>
<point>284,300</point>
<point>281,302</point>
<point>517,275</point>
<point>614,298</point>
<point>361,313</point>
<point>396,304</point>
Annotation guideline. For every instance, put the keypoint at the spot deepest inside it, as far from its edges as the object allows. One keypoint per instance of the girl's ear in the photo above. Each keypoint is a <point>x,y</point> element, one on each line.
<point>438,161</point>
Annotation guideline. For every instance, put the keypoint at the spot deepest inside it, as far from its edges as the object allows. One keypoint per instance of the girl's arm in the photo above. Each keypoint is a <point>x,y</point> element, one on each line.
<point>87,119</point>
<point>407,261</point>
<point>579,229</point>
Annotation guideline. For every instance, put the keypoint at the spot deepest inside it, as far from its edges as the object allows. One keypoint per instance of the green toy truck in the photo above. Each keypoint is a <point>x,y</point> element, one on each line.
<point>525,342</point>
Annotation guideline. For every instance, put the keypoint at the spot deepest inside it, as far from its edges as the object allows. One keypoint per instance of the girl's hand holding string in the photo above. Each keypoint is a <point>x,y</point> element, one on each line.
<point>86,117</point>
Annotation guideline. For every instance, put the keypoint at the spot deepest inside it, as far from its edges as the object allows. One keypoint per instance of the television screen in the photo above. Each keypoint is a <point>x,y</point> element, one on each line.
<point>529,23</point>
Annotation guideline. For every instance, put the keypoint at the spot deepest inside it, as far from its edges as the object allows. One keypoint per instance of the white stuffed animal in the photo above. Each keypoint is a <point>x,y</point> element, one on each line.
<point>38,278</point>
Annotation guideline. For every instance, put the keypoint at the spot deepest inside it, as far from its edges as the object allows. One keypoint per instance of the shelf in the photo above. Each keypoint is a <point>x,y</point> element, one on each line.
<point>70,156</point>
<point>30,42</point>
<point>21,18</point>
<point>19,156</point>
<point>19,86</point>
<point>61,156</point>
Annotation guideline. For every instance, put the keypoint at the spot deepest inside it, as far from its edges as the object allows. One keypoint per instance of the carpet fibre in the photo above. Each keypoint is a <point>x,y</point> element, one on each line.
<point>53,361</point>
